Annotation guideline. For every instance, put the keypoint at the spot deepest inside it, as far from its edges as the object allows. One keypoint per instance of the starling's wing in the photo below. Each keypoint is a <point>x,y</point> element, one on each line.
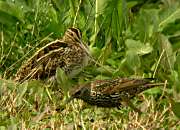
<point>135,85</point>
<point>102,86</point>
<point>121,84</point>
<point>33,62</point>
<point>125,84</point>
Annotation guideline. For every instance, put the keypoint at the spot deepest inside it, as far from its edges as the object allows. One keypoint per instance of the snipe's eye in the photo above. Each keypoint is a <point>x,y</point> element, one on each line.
<point>77,32</point>
<point>71,33</point>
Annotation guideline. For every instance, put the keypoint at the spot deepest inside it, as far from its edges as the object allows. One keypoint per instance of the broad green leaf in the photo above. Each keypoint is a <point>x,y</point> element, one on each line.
<point>7,19</point>
<point>169,56</point>
<point>35,83</point>
<point>8,10</point>
<point>95,51</point>
<point>131,4</point>
<point>32,91</point>
<point>176,80</point>
<point>171,17</point>
<point>101,6</point>
<point>156,90</point>
<point>6,84</point>
<point>3,128</point>
<point>176,108</point>
<point>146,24</point>
<point>138,47</point>
<point>145,49</point>
<point>21,92</point>
<point>112,62</point>
<point>133,60</point>
<point>105,69</point>
<point>62,79</point>
<point>133,44</point>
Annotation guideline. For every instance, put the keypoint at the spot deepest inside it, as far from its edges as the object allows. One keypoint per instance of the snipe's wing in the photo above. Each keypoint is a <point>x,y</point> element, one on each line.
<point>38,58</point>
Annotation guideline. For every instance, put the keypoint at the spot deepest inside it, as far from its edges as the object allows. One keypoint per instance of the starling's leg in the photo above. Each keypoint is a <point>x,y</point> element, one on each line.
<point>131,105</point>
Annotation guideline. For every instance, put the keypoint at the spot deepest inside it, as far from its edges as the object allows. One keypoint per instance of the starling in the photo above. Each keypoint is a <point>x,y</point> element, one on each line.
<point>69,53</point>
<point>112,92</point>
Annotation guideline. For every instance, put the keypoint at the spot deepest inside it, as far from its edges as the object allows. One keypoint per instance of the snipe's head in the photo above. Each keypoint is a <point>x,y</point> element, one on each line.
<point>72,34</point>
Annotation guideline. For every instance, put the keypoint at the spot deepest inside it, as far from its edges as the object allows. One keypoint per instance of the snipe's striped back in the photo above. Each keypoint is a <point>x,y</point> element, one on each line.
<point>68,53</point>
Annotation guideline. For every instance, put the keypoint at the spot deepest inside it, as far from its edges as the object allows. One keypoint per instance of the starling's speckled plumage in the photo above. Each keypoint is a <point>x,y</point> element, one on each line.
<point>69,54</point>
<point>110,93</point>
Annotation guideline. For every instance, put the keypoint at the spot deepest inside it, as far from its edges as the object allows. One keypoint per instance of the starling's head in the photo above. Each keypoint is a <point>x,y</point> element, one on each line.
<point>79,92</point>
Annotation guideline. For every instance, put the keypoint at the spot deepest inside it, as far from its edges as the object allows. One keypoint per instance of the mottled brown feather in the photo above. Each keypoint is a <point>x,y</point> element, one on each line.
<point>111,92</point>
<point>67,53</point>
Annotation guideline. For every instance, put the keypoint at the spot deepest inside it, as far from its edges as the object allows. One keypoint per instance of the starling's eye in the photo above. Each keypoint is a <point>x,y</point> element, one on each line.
<point>78,92</point>
<point>93,93</point>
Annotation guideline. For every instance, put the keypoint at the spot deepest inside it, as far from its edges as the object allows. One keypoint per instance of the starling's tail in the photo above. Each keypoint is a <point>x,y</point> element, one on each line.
<point>151,85</point>
<point>153,82</point>
<point>144,87</point>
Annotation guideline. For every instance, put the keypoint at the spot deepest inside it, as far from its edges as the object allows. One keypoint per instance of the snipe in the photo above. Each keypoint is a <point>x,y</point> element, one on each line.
<point>111,92</point>
<point>69,53</point>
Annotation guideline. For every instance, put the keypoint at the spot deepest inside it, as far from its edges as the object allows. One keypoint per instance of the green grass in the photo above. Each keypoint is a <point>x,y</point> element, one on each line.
<point>127,38</point>
<point>33,105</point>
